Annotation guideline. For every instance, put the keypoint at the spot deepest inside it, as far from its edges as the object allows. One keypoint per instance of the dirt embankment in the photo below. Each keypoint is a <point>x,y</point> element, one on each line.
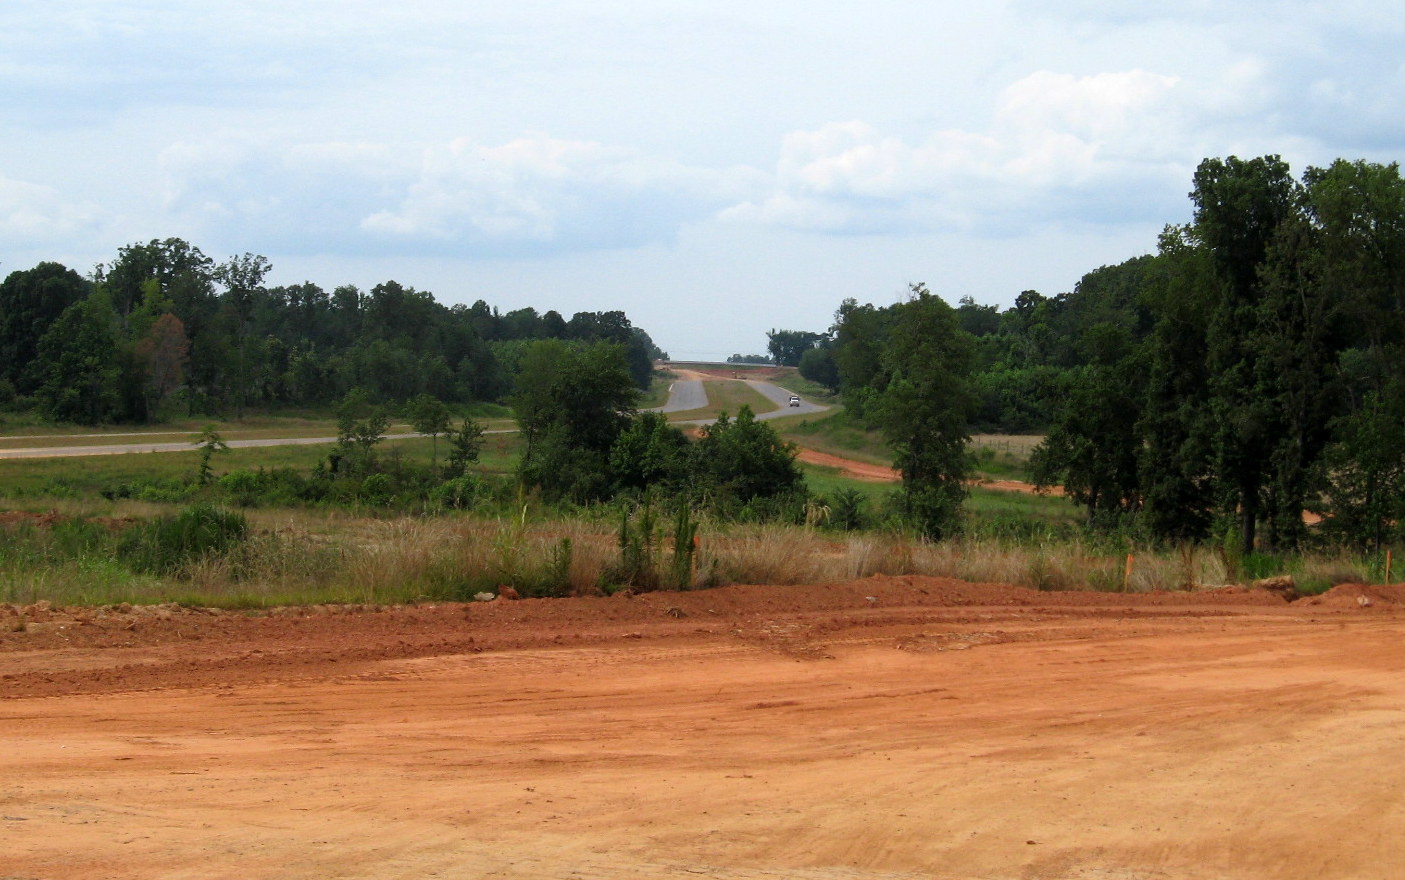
<point>764,374</point>
<point>876,473</point>
<point>175,646</point>
<point>891,727</point>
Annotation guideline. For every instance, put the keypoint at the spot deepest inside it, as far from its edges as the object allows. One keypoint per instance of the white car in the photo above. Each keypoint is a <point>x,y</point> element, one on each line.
<point>795,400</point>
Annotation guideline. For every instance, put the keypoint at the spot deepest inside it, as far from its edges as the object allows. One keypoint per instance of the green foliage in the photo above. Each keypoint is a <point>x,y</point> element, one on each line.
<point>210,443</point>
<point>650,453</point>
<point>860,335</point>
<point>429,415</point>
<point>906,370</point>
<point>1092,448</point>
<point>925,407</point>
<point>847,510</point>
<point>77,537</point>
<point>376,490</point>
<point>215,338</point>
<point>465,445</point>
<point>642,543</point>
<point>167,545</point>
<point>556,577</point>
<point>787,347</point>
<point>361,426</point>
<point>639,542</point>
<point>685,546</point>
<point>572,404</point>
<point>818,366</point>
<point>154,490</point>
<point>1016,399</point>
<point>1241,375</point>
<point>840,433</point>
<point>30,302</point>
<point>519,568</point>
<point>271,487</point>
<point>741,461</point>
<point>458,493</point>
<point>1361,476</point>
<point>77,371</point>
<point>1248,370</point>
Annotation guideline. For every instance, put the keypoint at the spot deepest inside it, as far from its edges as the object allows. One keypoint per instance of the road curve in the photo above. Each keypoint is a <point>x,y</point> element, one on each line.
<point>781,398</point>
<point>689,394</point>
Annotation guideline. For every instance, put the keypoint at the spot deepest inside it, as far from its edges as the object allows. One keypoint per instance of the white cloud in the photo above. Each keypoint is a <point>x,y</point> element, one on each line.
<point>1060,148</point>
<point>1106,108</point>
<point>559,194</point>
<point>33,215</point>
<point>532,195</point>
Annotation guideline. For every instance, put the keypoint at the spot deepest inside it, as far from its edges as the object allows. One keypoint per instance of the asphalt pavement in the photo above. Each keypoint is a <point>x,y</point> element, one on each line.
<point>684,395</point>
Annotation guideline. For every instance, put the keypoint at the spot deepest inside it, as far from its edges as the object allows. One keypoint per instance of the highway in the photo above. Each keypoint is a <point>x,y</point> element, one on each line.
<point>684,395</point>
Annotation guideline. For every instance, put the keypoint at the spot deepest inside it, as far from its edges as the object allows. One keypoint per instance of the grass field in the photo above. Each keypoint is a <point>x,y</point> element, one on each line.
<point>252,428</point>
<point>835,433</point>
<point>346,555</point>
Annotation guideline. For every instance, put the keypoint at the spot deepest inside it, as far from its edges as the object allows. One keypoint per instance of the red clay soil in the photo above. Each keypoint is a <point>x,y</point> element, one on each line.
<point>893,727</point>
<point>764,374</point>
<point>17,518</point>
<point>875,473</point>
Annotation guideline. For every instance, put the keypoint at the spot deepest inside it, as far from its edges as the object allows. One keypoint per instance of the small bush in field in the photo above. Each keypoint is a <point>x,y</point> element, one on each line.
<point>458,493</point>
<point>241,487</point>
<point>165,545</point>
<point>846,510</point>
<point>157,491</point>
<point>276,487</point>
<point>377,490</point>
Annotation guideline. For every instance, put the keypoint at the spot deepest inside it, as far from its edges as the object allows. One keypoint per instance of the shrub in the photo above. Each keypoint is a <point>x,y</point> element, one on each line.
<point>376,490</point>
<point>156,491</point>
<point>75,538</point>
<point>642,542</point>
<point>846,510</point>
<point>166,545</point>
<point>242,487</point>
<point>459,493</point>
<point>280,486</point>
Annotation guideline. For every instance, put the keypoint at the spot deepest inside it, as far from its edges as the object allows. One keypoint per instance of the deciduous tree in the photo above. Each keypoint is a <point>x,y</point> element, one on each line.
<point>925,407</point>
<point>30,302</point>
<point>572,402</point>
<point>162,355</point>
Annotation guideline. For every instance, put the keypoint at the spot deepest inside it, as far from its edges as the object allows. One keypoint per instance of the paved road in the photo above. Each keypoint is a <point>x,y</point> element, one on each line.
<point>781,397</point>
<point>685,394</point>
<point>182,446</point>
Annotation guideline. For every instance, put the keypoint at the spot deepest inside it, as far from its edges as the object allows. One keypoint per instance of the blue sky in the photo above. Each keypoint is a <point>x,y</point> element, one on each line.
<point>715,169</point>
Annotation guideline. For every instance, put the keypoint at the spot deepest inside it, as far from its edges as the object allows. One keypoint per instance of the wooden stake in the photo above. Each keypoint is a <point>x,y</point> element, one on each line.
<point>1387,565</point>
<point>1127,573</point>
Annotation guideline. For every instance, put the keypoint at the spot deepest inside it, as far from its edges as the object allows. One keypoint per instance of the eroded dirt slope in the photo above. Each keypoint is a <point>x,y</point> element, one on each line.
<point>886,728</point>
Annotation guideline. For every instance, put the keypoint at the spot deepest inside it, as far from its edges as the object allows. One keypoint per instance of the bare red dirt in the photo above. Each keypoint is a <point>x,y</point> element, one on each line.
<point>876,473</point>
<point>885,728</point>
<point>764,374</point>
<point>873,473</point>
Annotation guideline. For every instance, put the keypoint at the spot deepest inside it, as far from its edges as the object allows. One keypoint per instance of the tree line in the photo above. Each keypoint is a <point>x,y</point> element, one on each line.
<point>1251,370</point>
<point>164,329</point>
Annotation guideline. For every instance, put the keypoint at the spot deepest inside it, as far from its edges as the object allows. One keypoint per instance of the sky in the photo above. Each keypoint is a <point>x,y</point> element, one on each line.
<point>714,169</point>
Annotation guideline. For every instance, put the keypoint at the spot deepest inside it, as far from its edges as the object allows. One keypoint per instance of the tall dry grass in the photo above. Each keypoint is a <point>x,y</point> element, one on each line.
<point>299,558</point>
